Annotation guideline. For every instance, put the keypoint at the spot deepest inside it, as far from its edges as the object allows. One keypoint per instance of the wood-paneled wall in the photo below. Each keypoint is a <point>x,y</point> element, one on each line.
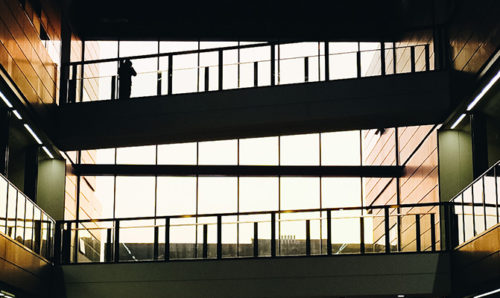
<point>22,53</point>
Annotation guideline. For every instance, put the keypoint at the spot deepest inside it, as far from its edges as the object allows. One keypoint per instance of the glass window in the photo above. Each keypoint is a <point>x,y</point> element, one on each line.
<point>143,155</point>
<point>490,199</point>
<point>340,148</point>
<point>259,151</point>
<point>3,203</point>
<point>218,152</point>
<point>135,196</point>
<point>20,217</point>
<point>258,194</point>
<point>299,193</point>
<point>176,196</point>
<point>217,195</point>
<point>341,192</point>
<point>11,211</point>
<point>300,150</point>
<point>177,154</point>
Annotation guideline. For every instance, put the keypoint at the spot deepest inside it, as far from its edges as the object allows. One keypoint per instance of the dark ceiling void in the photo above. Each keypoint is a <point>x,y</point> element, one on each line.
<point>256,20</point>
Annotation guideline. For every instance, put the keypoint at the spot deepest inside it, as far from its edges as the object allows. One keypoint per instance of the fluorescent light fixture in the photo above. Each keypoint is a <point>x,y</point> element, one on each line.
<point>401,296</point>
<point>458,121</point>
<point>37,139</point>
<point>7,102</point>
<point>483,92</point>
<point>48,152</point>
<point>488,293</point>
<point>17,114</point>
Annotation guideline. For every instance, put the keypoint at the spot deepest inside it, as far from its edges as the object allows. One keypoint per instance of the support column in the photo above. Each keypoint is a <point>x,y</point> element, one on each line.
<point>4,141</point>
<point>31,172</point>
<point>479,144</point>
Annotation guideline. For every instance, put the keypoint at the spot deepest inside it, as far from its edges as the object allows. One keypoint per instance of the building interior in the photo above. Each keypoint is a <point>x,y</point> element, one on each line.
<point>249,149</point>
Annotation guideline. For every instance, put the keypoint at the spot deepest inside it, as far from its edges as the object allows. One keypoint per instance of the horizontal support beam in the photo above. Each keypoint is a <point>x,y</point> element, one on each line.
<point>242,171</point>
<point>350,104</point>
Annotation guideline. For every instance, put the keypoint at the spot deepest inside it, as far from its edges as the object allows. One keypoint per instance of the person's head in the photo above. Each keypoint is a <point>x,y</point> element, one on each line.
<point>128,62</point>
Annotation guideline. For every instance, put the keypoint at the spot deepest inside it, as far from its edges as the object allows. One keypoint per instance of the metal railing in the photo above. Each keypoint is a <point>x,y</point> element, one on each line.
<point>332,231</point>
<point>477,206</point>
<point>25,222</point>
<point>221,71</point>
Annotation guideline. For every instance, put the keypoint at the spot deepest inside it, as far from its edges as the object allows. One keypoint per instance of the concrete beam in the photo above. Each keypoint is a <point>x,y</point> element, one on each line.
<point>374,102</point>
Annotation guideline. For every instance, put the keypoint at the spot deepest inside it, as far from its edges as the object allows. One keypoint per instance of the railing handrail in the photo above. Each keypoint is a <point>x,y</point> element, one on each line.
<point>475,180</point>
<point>178,53</point>
<point>260,212</point>
<point>27,198</point>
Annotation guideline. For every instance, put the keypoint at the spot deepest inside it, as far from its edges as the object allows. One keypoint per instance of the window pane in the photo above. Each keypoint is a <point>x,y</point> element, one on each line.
<point>176,196</point>
<point>340,148</point>
<point>341,192</point>
<point>3,204</point>
<point>11,211</point>
<point>259,151</point>
<point>217,195</point>
<point>258,194</point>
<point>135,196</point>
<point>218,152</point>
<point>21,205</point>
<point>177,154</point>
<point>299,193</point>
<point>143,155</point>
<point>300,150</point>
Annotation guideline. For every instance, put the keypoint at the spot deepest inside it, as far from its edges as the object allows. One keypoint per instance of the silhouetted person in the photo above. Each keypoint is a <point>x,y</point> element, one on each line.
<point>125,73</point>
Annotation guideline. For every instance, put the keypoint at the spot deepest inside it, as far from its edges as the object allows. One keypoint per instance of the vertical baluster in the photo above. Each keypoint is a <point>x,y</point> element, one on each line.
<point>417,232</point>
<point>221,66</point>
<point>306,69</point>
<point>386,230</point>
<point>329,232</point>
<point>155,243</point>
<point>219,237</point>
<point>273,65</point>
<point>170,74</point>
<point>273,234</point>
<point>205,241</point>
<point>382,58</point>
<point>361,235</point>
<point>308,237</point>
<point>256,74</point>
<point>167,239</point>
<point>255,239</point>
<point>412,58</point>
<point>207,78</point>
<point>427,58</point>
<point>117,241</point>
<point>327,61</point>
<point>433,232</point>
<point>358,63</point>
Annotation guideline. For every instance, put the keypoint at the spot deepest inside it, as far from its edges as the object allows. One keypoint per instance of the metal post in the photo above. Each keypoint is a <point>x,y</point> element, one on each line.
<point>427,58</point>
<point>382,58</point>
<point>207,78</point>
<point>433,232</point>
<point>219,237</point>
<point>37,235</point>
<point>221,66</point>
<point>155,244</point>
<point>256,74</point>
<point>412,58</point>
<point>394,58</point>
<point>170,74</point>
<point>497,192</point>
<point>308,237</point>
<point>417,232</point>
<point>273,66</point>
<point>327,61</point>
<point>273,234</point>
<point>58,243</point>
<point>167,239</point>
<point>386,229</point>
<point>72,85</point>
<point>205,241</point>
<point>358,63</point>
<point>113,87</point>
<point>158,83</point>
<point>108,252</point>
<point>255,239</point>
<point>306,69</point>
<point>66,244</point>
<point>329,232</point>
<point>361,235</point>
<point>117,241</point>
